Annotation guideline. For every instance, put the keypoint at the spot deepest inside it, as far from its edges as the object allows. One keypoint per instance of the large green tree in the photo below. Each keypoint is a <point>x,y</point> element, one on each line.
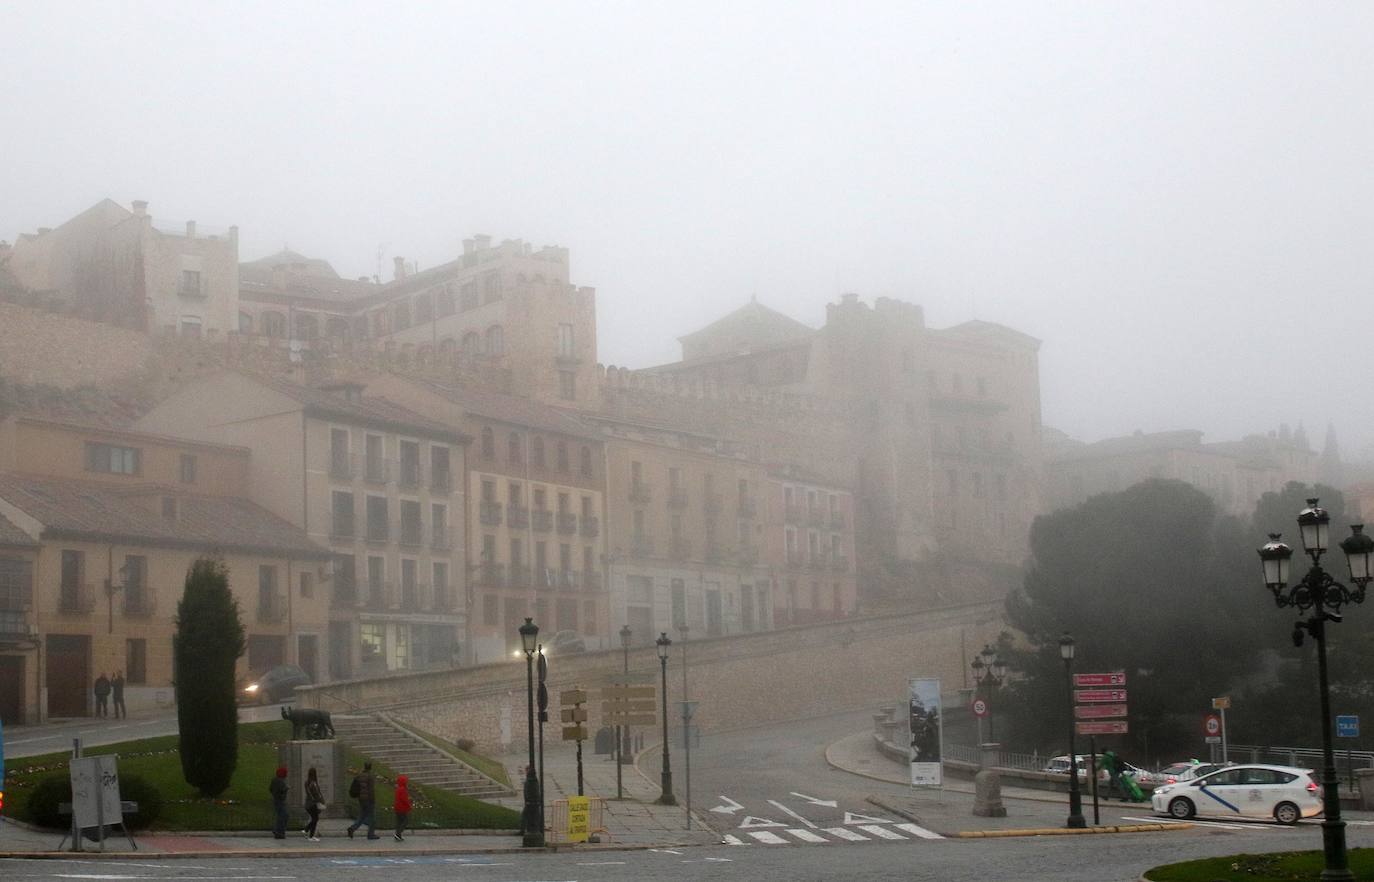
<point>208,642</point>
<point>1153,581</point>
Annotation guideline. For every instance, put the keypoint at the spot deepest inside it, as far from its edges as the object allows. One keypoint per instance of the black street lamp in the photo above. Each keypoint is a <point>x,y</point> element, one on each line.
<point>667,797</point>
<point>1076,819</point>
<point>532,819</point>
<point>1324,597</point>
<point>989,672</point>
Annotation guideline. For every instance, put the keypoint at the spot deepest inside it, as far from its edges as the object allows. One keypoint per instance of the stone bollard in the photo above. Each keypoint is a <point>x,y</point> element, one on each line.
<point>1364,778</point>
<point>987,785</point>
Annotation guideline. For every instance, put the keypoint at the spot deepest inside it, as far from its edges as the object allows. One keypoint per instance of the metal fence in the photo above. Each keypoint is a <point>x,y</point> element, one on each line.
<point>1303,757</point>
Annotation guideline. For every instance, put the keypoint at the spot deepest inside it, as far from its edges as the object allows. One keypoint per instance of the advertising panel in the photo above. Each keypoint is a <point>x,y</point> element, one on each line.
<point>927,733</point>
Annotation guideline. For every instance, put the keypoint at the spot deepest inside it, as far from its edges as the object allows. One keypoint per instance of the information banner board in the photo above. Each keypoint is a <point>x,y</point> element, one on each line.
<point>927,733</point>
<point>95,791</point>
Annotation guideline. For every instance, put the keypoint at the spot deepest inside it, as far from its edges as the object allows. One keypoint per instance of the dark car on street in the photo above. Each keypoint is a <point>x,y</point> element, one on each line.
<point>277,684</point>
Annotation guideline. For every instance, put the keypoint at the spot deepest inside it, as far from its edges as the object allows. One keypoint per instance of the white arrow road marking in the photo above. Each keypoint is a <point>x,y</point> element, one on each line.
<point>919,831</point>
<point>732,840</point>
<point>792,813</point>
<point>665,851</point>
<point>831,803</point>
<point>768,838</point>
<point>806,836</point>
<point>846,833</point>
<point>881,832</point>
<point>751,821</point>
<point>851,818</point>
<point>729,808</point>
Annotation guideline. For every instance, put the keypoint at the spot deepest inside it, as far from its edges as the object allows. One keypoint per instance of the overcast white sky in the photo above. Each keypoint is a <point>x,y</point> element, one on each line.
<point>1176,198</point>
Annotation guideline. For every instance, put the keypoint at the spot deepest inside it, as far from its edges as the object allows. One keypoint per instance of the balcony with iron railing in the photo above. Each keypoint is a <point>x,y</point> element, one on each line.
<point>839,563</point>
<point>139,602</point>
<point>542,520</point>
<point>409,475</point>
<point>517,517</point>
<point>794,513</point>
<point>569,579</point>
<point>796,558</point>
<point>412,533</point>
<point>440,481</point>
<point>747,507</point>
<point>641,545</point>
<point>816,517</point>
<point>677,497</point>
<point>491,575</point>
<point>817,560</point>
<point>379,596</point>
<point>838,521</point>
<point>567,523</point>
<point>489,513</point>
<point>679,547</point>
<point>343,526</point>
<point>545,578</point>
<point>410,597</point>
<point>590,526</point>
<point>443,600</point>
<point>519,576</point>
<point>440,538</point>
<point>640,492</point>
<point>714,503</point>
<point>713,552</point>
<point>378,530</point>
<point>345,594</point>
<point>746,555</point>
<point>271,607</point>
<point>591,580</point>
<point>341,465</point>
<point>76,599</point>
<point>377,471</point>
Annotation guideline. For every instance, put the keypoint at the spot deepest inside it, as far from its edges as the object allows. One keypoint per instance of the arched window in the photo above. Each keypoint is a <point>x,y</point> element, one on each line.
<point>586,462</point>
<point>472,343</point>
<point>562,456</point>
<point>274,324</point>
<point>537,451</point>
<point>307,326</point>
<point>491,288</point>
<point>337,328</point>
<point>513,450</point>
<point>488,443</point>
<point>496,341</point>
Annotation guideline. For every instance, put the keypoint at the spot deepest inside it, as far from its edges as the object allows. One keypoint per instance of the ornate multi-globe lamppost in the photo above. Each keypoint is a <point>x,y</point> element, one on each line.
<point>1323,597</point>
<point>532,819</point>
<point>989,672</point>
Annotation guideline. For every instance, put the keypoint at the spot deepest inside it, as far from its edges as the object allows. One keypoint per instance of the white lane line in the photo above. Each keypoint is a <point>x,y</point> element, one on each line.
<point>919,831</point>
<point>881,832</point>
<point>767,838</point>
<point>1204,823</point>
<point>846,833</point>
<point>665,851</point>
<point>793,814</point>
<point>732,840</point>
<point>807,836</point>
<point>600,863</point>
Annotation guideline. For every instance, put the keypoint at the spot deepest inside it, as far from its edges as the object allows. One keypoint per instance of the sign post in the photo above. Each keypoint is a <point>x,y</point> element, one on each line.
<point>1223,704</point>
<point>572,711</point>
<point>1348,726</point>
<point>1098,698</point>
<point>1211,728</point>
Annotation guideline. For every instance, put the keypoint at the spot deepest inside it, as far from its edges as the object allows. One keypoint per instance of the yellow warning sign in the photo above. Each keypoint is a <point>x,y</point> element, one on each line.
<point>579,818</point>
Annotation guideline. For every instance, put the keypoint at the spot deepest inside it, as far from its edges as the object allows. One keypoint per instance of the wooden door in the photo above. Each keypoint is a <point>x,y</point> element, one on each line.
<point>12,690</point>
<point>69,675</point>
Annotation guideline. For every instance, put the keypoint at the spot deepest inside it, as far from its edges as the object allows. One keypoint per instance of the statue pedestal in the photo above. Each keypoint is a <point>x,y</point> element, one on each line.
<point>987,785</point>
<point>326,757</point>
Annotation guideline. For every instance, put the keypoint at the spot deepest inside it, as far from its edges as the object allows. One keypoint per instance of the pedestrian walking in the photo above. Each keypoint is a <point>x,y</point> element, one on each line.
<point>278,789</point>
<point>117,693</point>
<point>314,804</point>
<point>364,789</point>
<point>102,695</point>
<point>401,805</point>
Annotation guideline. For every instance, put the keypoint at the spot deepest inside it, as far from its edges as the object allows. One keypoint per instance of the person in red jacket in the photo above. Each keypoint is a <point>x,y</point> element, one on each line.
<point>401,806</point>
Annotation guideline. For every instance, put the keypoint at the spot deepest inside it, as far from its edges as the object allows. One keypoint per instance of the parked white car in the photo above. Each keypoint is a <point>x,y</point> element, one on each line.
<point>1284,793</point>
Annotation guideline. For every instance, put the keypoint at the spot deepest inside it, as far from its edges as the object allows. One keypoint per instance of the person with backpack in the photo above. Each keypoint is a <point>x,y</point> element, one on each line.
<point>401,806</point>
<point>314,804</point>
<point>278,789</point>
<point>364,789</point>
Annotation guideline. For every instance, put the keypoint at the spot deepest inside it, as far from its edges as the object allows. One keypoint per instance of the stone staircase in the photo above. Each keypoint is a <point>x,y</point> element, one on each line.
<point>408,754</point>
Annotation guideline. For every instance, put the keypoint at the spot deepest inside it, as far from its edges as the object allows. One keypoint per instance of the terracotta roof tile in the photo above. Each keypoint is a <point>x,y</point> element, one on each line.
<point>512,409</point>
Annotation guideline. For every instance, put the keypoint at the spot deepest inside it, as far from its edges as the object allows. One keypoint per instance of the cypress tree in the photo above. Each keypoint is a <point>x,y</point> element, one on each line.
<point>208,642</point>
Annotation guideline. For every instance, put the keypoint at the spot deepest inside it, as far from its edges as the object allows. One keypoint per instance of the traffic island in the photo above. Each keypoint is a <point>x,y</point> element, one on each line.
<point>1290,866</point>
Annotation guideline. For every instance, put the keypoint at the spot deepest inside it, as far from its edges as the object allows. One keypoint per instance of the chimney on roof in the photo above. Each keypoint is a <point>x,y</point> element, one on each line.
<point>140,208</point>
<point>482,240</point>
<point>234,236</point>
<point>44,230</point>
<point>400,263</point>
<point>190,229</point>
<point>468,246</point>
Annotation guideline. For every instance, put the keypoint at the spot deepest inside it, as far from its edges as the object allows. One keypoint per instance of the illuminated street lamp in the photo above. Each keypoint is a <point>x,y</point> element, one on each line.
<point>532,820</point>
<point>1076,819</point>
<point>667,798</point>
<point>1323,596</point>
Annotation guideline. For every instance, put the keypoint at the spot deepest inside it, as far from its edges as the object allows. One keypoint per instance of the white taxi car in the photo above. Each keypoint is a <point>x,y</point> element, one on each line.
<point>1284,793</point>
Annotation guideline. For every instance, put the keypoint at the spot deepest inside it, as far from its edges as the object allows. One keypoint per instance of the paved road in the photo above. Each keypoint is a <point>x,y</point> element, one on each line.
<point>34,740</point>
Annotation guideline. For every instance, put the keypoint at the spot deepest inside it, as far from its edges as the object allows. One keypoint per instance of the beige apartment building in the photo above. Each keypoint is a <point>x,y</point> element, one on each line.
<point>536,505</point>
<point>374,482</point>
<point>114,264</point>
<point>810,525</point>
<point>97,531</point>
<point>685,532</point>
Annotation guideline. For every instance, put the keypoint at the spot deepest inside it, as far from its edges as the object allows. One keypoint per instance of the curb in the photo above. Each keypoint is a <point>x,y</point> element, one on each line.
<point>323,853</point>
<point>1066,831</point>
<point>645,775</point>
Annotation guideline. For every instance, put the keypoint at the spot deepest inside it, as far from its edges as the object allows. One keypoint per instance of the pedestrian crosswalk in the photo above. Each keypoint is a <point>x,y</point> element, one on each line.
<point>890,832</point>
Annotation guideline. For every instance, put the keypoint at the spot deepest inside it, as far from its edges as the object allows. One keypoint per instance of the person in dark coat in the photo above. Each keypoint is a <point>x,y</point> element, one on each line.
<point>314,804</point>
<point>364,789</point>
<point>278,789</point>
<point>401,806</point>
<point>117,693</point>
<point>102,695</point>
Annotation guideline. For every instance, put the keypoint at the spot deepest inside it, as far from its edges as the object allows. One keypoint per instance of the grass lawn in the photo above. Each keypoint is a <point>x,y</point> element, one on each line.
<point>1291,866</point>
<point>487,766</point>
<point>246,805</point>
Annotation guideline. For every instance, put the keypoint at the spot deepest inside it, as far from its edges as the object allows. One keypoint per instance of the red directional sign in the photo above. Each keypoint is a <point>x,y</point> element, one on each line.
<point>1102,727</point>
<point>980,707</point>
<point>1098,711</point>
<point>1100,696</point>
<point>1116,678</point>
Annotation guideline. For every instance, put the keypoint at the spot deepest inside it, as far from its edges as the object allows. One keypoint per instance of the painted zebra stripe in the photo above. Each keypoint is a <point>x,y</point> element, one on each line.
<point>767,838</point>
<point>881,832</point>
<point>807,835</point>
<point>733,840</point>
<point>921,832</point>
<point>846,833</point>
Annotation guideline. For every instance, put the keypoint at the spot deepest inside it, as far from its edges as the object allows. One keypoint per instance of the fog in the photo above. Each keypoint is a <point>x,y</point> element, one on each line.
<point>1176,198</point>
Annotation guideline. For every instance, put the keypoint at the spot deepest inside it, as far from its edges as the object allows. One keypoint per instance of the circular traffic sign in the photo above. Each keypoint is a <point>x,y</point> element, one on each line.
<point>1212,724</point>
<point>980,707</point>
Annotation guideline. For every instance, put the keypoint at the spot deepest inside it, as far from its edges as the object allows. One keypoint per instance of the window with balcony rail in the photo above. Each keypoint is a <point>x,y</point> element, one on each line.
<point>410,464</point>
<point>190,284</point>
<point>412,530</point>
<point>378,527</point>
<point>342,526</point>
